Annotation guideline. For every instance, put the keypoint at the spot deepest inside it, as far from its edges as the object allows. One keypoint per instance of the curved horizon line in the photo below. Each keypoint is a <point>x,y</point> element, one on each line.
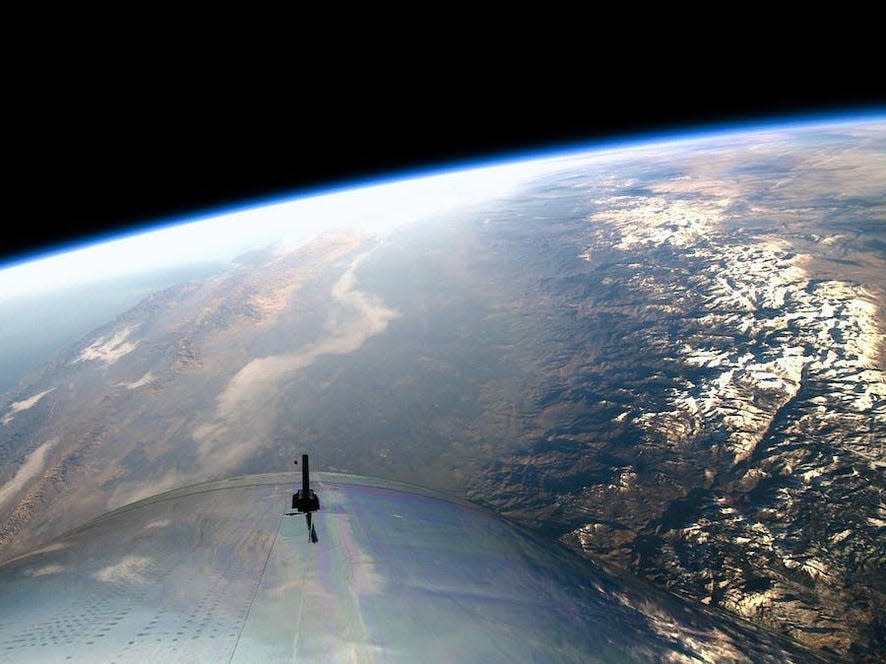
<point>553,150</point>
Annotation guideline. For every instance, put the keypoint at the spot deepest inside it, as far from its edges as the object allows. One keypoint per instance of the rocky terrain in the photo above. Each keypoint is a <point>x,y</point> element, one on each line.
<point>669,358</point>
<point>733,415</point>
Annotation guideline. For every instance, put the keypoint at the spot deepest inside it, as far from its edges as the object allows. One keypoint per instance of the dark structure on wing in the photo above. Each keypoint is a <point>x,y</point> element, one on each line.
<point>305,501</point>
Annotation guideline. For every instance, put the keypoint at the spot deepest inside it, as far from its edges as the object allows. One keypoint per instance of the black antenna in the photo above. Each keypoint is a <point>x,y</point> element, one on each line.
<point>305,501</point>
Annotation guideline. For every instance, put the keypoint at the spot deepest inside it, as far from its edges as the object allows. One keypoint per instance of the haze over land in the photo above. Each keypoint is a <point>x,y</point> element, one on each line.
<point>669,357</point>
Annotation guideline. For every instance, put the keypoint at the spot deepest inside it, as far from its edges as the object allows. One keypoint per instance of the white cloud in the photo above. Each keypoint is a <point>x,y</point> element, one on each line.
<point>32,467</point>
<point>109,349</point>
<point>24,404</point>
<point>46,570</point>
<point>144,380</point>
<point>253,387</point>
<point>130,569</point>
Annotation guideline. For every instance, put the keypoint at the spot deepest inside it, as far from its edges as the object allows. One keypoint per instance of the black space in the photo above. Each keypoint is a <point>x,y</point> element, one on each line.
<point>96,159</point>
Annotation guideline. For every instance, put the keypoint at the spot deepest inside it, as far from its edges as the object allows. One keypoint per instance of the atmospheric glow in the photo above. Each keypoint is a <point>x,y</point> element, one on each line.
<point>374,209</point>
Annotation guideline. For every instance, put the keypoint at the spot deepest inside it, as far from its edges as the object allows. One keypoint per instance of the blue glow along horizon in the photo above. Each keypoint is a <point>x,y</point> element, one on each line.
<point>375,205</point>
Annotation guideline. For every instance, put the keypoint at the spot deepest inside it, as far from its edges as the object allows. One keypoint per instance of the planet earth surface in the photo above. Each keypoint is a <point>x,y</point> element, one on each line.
<point>667,355</point>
